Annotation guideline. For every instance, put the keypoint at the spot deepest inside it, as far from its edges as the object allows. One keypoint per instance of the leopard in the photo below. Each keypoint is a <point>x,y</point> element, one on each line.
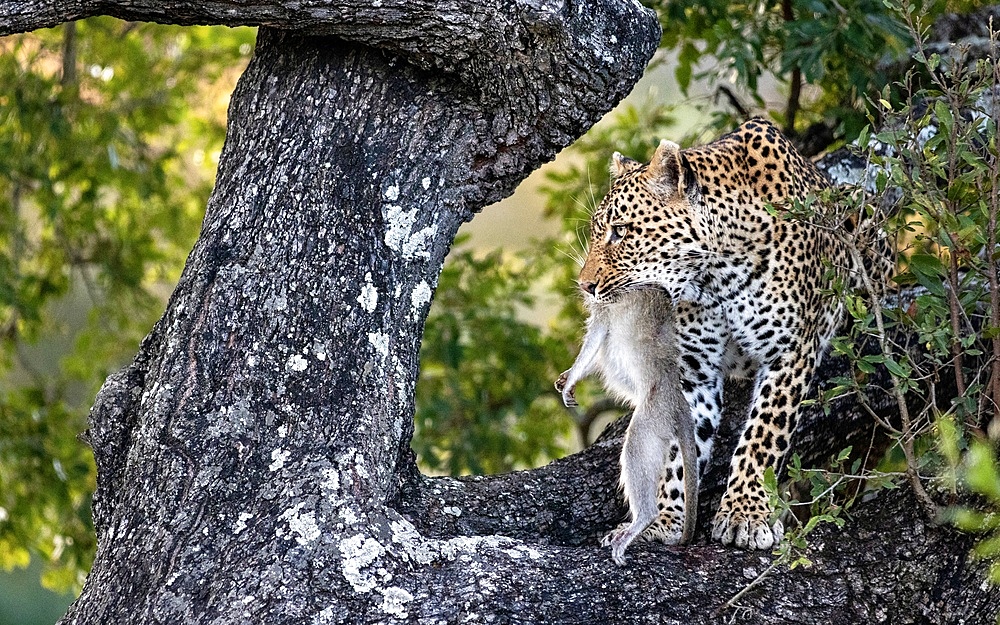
<point>750,293</point>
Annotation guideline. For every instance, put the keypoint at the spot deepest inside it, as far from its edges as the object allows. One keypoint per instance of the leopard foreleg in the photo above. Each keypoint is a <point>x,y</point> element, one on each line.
<point>744,515</point>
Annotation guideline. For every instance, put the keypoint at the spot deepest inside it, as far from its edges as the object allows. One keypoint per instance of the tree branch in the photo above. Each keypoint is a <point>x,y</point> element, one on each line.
<point>517,40</point>
<point>541,65</point>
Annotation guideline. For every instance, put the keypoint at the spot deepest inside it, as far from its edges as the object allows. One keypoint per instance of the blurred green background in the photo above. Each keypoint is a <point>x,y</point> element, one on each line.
<point>23,601</point>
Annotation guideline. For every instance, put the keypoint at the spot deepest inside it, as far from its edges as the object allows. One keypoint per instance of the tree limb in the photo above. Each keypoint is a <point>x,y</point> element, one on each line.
<point>547,61</point>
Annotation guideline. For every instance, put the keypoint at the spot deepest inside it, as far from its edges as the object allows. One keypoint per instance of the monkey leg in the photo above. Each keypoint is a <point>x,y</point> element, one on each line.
<point>647,442</point>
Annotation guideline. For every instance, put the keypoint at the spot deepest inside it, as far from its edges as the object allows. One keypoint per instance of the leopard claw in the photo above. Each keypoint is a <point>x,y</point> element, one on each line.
<point>747,530</point>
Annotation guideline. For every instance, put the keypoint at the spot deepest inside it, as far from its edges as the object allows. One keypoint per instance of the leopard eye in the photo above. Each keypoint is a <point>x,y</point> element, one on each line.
<point>618,231</point>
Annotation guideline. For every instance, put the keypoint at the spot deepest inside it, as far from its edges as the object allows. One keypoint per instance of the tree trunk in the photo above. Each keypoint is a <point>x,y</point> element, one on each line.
<point>254,461</point>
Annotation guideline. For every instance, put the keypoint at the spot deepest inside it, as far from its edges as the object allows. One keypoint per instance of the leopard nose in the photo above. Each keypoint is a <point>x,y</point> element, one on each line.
<point>589,287</point>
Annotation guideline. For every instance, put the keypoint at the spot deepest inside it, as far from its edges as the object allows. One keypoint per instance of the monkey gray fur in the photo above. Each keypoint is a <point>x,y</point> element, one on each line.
<point>630,342</point>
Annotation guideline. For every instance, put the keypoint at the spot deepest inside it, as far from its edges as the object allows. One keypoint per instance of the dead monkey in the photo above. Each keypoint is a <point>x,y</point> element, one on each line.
<point>630,342</point>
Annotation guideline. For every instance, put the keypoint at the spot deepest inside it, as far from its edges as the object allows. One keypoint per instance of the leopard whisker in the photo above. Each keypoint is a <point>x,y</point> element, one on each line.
<point>572,255</point>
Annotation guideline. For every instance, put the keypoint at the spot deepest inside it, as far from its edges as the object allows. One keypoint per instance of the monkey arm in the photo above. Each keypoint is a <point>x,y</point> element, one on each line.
<point>585,364</point>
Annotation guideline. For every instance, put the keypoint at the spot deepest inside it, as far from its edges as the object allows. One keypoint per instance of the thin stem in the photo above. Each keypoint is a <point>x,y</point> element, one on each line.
<point>993,430</point>
<point>863,401</point>
<point>841,478</point>
<point>753,584</point>
<point>795,82</point>
<point>954,306</point>
<point>955,317</point>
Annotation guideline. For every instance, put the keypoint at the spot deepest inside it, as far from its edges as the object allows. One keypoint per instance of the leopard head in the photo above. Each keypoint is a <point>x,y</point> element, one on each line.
<point>645,233</point>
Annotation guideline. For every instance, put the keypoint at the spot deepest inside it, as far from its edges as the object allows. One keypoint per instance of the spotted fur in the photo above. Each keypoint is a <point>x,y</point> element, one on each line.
<point>747,289</point>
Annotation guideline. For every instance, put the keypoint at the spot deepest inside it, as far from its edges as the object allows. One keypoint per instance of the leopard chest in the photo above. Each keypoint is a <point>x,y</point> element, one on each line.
<point>758,302</point>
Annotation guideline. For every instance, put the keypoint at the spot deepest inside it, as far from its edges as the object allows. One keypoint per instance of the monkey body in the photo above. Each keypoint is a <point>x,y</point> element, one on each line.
<point>631,344</point>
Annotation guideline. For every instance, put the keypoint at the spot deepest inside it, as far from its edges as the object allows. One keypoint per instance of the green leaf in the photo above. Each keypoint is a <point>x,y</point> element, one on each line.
<point>900,370</point>
<point>844,454</point>
<point>983,474</point>
<point>770,480</point>
<point>945,117</point>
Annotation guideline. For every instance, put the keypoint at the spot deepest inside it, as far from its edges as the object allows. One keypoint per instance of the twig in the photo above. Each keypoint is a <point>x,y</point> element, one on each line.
<point>753,583</point>
<point>733,100</point>
<point>993,429</point>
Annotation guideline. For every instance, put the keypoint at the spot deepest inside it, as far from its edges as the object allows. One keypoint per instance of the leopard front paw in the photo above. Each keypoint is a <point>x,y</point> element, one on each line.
<point>568,393</point>
<point>746,526</point>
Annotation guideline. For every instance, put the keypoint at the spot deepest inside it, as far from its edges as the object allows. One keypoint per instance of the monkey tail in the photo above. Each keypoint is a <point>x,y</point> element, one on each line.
<point>690,464</point>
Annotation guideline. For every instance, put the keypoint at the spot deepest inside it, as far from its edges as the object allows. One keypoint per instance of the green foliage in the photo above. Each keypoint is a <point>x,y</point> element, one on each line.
<point>937,156</point>
<point>945,223</point>
<point>979,472</point>
<point>105,167</point>
<point>485,398</point>
<point>839,49</point>
<point>829,492</point>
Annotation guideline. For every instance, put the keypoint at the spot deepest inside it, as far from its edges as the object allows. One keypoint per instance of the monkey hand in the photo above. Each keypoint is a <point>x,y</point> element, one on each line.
<point>567,392</point>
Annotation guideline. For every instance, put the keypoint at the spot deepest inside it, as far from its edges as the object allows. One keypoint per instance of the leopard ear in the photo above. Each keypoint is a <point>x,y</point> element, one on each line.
<point>622,165</point>
<point>666,170</point>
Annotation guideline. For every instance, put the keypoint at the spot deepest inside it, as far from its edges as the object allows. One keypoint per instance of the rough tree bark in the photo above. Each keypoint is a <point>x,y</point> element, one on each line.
<point>254,460</point>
